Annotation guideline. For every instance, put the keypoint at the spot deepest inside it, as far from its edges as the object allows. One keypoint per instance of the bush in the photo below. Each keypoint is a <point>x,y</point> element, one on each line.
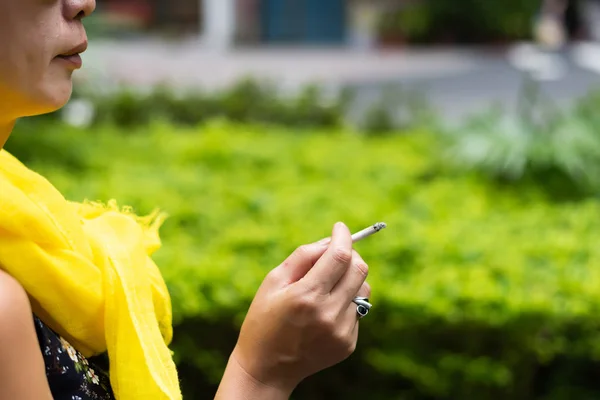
<point>478,292</point>
<point>398,109</point>
<point>248,101</point>
<point>556,150</point>
<point>465,21</point>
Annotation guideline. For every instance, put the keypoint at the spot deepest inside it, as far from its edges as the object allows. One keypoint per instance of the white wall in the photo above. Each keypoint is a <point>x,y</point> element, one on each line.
<point>219,23</point>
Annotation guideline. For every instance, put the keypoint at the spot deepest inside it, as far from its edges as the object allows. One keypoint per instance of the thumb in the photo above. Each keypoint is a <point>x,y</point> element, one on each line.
<point>297,265</point>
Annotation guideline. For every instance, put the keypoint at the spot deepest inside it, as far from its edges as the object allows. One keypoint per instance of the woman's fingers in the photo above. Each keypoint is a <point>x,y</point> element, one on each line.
<point>349,318</point>
<point>350,314</point>
<point>332,266</point>
<point>296,266</point>
<point>352,281</point>
<point>365,290</point>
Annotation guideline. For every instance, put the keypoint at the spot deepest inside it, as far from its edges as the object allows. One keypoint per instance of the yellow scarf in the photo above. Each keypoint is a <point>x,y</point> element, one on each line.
<point>89,275</point>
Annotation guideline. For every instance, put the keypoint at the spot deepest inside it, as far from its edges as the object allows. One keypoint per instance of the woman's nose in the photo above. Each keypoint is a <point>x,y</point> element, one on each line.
<point>79,9</point>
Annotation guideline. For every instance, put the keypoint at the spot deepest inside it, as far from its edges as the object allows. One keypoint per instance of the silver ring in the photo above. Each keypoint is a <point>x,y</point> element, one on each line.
<point>362,306</point>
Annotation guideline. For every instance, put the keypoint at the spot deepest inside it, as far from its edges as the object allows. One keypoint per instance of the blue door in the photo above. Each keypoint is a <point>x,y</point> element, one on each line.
<point>304,21</point>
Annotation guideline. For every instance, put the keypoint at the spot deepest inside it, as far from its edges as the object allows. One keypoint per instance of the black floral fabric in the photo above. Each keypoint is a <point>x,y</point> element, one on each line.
<point>71,376</point>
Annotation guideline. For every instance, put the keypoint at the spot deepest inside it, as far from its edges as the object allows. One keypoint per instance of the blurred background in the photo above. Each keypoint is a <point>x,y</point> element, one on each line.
<point>470,127</point>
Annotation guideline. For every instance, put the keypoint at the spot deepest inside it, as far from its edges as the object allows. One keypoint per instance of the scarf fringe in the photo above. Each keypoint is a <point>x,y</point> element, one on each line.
<point>150,223</point>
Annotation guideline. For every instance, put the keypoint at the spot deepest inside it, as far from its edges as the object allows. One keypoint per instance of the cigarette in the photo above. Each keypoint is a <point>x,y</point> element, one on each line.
<point>371,230</point>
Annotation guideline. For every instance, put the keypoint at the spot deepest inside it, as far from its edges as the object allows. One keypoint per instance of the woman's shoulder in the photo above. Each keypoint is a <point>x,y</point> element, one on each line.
<point>42,359</point>
<point>15,308</point>
<point>16,322</point>
<point>21,363</point>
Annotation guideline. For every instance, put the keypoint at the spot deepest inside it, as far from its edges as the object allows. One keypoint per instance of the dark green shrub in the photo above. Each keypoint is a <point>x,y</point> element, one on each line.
<point>398,109</point>
<point>465,21</point>
<point>247,101</point>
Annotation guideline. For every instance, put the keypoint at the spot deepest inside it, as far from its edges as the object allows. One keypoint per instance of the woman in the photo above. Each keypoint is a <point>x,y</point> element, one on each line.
<point>77,285</point>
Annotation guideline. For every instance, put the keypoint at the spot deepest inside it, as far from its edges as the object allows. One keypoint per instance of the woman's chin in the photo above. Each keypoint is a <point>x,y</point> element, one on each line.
<point>52,98</point>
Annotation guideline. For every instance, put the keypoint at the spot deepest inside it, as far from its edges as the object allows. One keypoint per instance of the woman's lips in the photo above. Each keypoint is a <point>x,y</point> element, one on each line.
<point>74,60</point>
<point>72,57</point>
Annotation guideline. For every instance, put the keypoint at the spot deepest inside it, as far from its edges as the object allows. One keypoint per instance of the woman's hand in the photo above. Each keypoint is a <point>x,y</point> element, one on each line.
<point>302,319</point>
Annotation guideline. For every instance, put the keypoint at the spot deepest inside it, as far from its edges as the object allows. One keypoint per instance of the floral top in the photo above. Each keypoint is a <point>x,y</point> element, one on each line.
<point>71,376</point>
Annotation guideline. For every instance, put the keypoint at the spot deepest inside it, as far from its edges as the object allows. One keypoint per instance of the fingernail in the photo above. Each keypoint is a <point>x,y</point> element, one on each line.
<point>340,225</point>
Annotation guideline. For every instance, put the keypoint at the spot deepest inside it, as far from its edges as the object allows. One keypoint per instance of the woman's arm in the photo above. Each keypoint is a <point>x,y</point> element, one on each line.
<point>238,384</point>
<point>22,371</point>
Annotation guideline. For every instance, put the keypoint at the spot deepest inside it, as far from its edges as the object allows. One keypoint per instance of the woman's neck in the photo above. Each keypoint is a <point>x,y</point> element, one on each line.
<point>5,130</point>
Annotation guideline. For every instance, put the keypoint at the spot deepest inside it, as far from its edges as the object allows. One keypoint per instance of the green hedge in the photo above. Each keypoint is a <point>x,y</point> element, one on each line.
<point>480,291</point>
<point>463,21</point>
<point>248,101</point>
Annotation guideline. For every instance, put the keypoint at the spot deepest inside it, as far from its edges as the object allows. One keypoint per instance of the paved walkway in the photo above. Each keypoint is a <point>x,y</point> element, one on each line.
<point>142,63</point>
<point>457,81</point>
